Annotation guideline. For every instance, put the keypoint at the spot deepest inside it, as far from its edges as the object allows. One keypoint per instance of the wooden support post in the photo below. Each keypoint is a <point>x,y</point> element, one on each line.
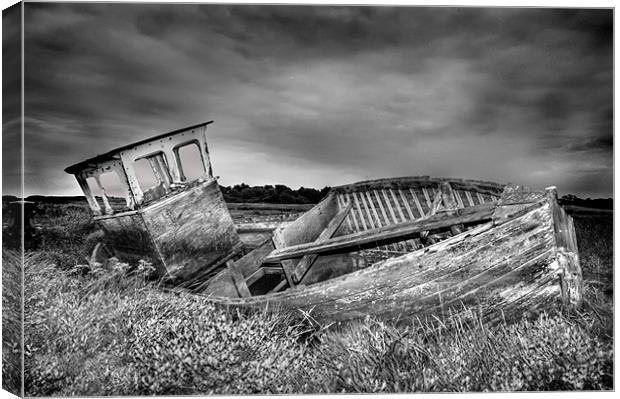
<point>434,207</point>
<point>449,202</point>
<point>238,279</point>
<point>307,261</point>
<point>287,265</point>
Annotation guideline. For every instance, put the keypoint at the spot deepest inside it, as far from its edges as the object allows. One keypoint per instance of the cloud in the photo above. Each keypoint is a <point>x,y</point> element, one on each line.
<point>320,96</point>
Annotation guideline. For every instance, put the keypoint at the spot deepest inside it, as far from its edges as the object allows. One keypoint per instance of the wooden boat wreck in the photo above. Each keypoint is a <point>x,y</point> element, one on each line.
<point>392,248</point>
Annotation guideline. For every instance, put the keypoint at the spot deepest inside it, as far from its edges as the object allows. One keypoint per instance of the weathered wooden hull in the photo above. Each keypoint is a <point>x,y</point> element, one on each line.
<point>521,260</point>
<point>185,235</point>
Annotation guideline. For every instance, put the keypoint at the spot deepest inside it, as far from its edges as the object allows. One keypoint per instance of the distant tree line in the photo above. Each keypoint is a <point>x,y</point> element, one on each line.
<point>598,203</point>
<point>278,194</point>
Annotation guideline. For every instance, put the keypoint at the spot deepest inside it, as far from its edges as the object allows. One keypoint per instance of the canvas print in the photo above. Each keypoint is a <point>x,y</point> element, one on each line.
<point>205,199</point>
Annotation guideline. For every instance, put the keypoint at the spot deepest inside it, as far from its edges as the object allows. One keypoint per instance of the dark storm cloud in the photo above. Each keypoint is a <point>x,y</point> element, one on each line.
<point>327,95</point>
<point>11,104</point>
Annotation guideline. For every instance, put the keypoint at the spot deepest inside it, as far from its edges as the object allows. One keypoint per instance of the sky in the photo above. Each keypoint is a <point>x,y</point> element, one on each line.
<point>319,96</point>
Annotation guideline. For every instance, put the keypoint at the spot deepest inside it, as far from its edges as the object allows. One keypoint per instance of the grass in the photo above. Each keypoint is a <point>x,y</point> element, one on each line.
<point>11,323</point>
<point>116,333</point>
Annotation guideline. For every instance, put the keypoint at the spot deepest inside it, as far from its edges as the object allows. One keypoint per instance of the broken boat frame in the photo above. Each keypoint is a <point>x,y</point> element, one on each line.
<point>392,248</point>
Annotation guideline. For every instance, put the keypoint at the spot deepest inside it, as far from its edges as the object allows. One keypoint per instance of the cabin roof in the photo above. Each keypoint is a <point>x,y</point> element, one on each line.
<point>110,155</point>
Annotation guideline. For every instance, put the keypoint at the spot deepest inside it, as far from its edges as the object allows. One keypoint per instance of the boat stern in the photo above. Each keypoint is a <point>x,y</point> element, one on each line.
<point>567,253</point>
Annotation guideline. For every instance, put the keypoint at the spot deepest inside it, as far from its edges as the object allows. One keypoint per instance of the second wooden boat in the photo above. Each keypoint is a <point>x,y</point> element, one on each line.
<point>413,247</point>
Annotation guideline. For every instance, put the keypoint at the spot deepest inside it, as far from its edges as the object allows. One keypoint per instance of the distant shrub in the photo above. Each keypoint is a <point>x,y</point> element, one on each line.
<point>278,194</point>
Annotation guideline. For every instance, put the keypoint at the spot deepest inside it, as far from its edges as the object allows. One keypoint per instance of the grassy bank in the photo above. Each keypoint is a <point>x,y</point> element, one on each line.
<point>117,334</point>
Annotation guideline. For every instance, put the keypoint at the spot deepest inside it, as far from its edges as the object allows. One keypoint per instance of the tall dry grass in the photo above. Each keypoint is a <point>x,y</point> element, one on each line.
<point>89,332</point>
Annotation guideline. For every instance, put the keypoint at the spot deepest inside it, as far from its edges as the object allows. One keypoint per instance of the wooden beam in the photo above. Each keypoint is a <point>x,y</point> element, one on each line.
<point>341,205</point>
<point>403,245</point>
<point>395,247</point>
<point>407,207</point>
<point>391,233</point>
<point>426,197</point>
<point>358,208</point>
<point>357,227</point>
<point>257,275</point>
<point>449,198</point>
<point>434,207</point>
<point>307,261</point>
<point>470,200</point>
<point>287,265</point>
<point>238,279</point>
<point>279,287</point>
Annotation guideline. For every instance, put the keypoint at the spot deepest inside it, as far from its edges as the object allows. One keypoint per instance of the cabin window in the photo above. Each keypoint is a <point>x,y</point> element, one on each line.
<point>191,165</point>
<point>153,176</point>
<point>109,192</point>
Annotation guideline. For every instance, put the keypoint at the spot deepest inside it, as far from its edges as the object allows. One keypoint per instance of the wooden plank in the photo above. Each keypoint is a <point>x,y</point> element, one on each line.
<point>306,262</point>
<point>363,196</point>
<point>395,246</point>
<point>403,244</point>
<point>368,213</point>
<point>279,287</point>
<point>398,207</point>
<point>480,197</point>
<point>352,213</point>
<point>407,207</point>
<point>426,196</point>
<point>259,227</point>
<point>459,200</point>
<point>287,265</point>
<point>359,209</point>
<point>448,196</point>
<point>390,233</point>
<point>258,274</point>
<point>470,200</point>
<point>254,277</point>
<point>434,207</point>
<point>238,280</point>
<point>419,206</point>
<point>514,199</point>
<point>304,230</point>
<point>381,207</point>
<point>418,182</point>
<point>567,251</point>
<point>341,205</point>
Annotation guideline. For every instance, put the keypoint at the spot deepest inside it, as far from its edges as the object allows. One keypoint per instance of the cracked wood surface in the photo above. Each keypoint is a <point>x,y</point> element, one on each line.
<point>511,267</point>
<point>394,232</point>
